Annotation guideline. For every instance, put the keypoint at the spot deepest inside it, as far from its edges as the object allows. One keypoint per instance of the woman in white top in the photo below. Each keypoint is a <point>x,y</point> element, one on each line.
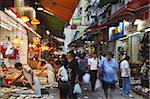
<point>93,67</point>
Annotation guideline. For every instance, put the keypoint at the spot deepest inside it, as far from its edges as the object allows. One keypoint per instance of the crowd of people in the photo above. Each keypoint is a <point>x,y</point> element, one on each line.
<point>68,70</point>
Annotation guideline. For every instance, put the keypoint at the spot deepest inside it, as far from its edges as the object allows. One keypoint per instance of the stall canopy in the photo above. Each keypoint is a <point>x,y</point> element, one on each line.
<point>51,23</point>
<point>62,9</point>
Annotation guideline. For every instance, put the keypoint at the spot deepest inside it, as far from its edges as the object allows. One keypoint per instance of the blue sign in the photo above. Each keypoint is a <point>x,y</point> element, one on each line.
<point>116,32</point>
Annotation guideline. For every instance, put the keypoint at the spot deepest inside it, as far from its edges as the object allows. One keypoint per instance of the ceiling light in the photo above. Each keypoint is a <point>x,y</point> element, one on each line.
<point>24,19</point>
<point>35,21</point>
<point>40,9</point>
<point>48,12</point>
<point>47,32</point>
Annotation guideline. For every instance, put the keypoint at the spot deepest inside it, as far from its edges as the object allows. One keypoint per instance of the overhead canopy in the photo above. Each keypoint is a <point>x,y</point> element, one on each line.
<point>51,23</point>
<point>62,9</point>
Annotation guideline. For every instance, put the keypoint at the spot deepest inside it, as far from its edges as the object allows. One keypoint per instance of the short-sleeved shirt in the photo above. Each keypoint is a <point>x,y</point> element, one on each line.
<point>93,63</point>
<point>123,66</point>
<point>63,73</point>
<point>109,69</point>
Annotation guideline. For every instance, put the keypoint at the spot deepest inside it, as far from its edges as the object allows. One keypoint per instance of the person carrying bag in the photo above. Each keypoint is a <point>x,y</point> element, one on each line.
<point>62,78</point>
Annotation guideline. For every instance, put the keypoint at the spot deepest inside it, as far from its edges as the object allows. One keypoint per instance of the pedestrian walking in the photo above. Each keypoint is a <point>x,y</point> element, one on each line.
<point>62,77</point>
<point>125,75</point>
<point>93,67</point>
<point>108,69</point>
<point>73,70</point>
<point>83,66</point>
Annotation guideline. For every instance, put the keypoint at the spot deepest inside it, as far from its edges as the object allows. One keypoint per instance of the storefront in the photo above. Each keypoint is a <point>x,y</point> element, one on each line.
<point>13,35</point>
<point>135,43</point>
<point>115,32</point>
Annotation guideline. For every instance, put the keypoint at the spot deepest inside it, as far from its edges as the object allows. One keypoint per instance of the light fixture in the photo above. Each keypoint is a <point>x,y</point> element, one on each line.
<point>40,9</point>
<point>17,40</point>
<point>35,22</point>
<point>24,18</point>
<point>47,32</point>
<point>48,12</point>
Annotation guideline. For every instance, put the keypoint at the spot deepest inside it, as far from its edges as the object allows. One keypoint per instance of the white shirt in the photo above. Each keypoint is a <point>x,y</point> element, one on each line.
<point>93,63</point>
<point>63,74</point>
<point>123,66</point>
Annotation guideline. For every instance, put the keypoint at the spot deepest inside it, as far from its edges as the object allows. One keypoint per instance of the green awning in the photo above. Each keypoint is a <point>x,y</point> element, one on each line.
<point>51,23</point>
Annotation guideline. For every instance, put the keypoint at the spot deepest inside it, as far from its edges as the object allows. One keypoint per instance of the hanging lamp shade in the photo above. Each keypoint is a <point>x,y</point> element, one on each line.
<point>24,18</point>
<point>35,22</point>
<point>44,47</point>
<point>17,40</point>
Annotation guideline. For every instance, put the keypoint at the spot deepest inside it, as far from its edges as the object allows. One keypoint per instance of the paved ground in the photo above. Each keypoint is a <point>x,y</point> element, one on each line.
<point>99,94</point>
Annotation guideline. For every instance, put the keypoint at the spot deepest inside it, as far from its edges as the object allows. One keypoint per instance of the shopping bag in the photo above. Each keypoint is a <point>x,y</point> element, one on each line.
<point>9,51</point>
<point>77,89</point>
<point>98,84</point>
<point>86,78</point>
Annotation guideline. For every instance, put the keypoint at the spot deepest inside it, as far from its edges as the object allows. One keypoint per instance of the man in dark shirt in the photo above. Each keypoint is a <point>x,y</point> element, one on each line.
<point>73,69</point>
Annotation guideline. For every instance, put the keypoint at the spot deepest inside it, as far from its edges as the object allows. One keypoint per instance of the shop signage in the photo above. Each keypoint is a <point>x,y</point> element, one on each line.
<point>116,32</point>
<point>76,20</point>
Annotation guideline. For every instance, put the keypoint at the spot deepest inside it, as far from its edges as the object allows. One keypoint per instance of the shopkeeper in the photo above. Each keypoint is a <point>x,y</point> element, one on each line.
<point>22,80</point>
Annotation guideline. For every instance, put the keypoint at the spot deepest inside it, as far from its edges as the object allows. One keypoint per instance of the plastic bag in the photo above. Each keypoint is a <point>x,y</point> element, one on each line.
<point>86,78</point>
<point>77,89</point>
<point>98,84</point>
<point>9,51</point>
<point>37,87</point>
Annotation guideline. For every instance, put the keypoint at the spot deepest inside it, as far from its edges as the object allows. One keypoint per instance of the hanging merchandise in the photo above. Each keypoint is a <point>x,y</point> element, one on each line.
<point>35,22</point>
<point>36,40</point>
<point>44,47</point>
<point>9,51</point>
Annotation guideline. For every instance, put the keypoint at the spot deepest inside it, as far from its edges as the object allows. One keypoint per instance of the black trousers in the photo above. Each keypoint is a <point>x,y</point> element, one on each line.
<point>93,74</point>
<point>64,89</point>
<point>107,86</point>
<point>71,94</point>
<point>64,93</point>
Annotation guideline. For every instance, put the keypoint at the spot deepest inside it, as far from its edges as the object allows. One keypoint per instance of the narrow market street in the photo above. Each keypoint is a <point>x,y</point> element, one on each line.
<point>99,94</point>
<point>74,49</point>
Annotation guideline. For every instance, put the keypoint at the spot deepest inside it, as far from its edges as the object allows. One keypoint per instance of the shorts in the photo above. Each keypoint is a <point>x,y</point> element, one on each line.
<point>107,85</point>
